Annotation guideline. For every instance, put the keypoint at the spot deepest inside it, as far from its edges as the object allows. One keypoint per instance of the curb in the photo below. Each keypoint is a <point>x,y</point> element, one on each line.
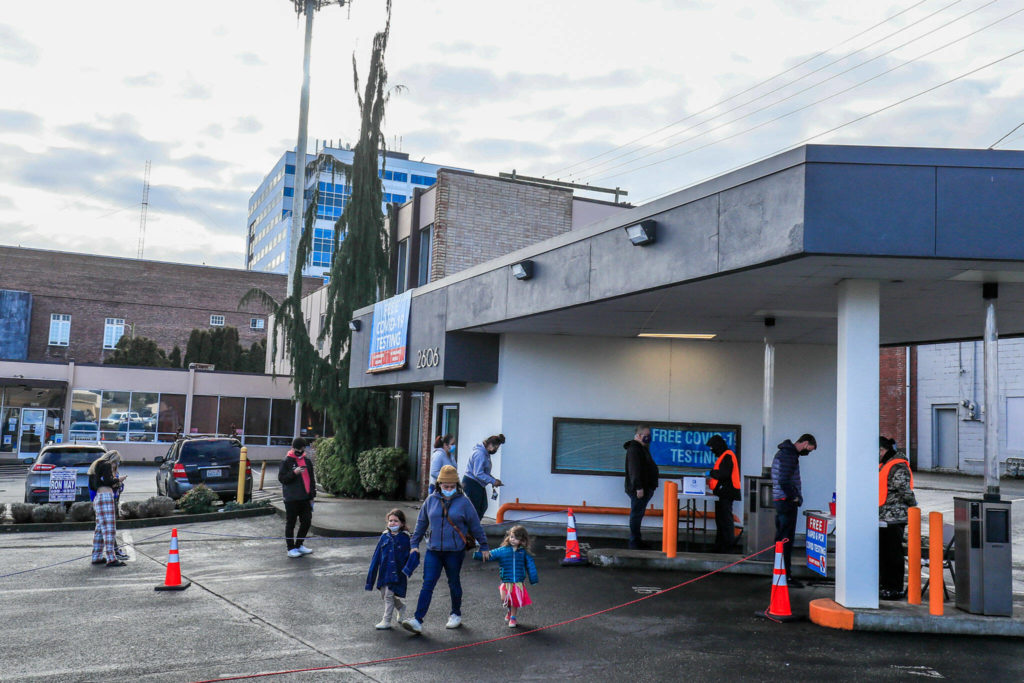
<point>137,523</point>
<point>913,619</point>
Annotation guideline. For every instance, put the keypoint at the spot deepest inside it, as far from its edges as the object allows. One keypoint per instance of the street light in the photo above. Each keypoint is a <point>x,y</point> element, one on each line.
<point>307,7</point>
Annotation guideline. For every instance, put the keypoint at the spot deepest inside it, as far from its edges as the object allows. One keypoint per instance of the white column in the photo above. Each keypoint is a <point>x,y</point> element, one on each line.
<point>857,445</point>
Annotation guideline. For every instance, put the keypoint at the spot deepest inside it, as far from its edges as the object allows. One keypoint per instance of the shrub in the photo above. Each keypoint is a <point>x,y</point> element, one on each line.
<point>198,500</point>
<point>233,505</point>
<point>22,512</point>
<point>336,471</point>
<point>48,513</point>
<point>382,471</point>
<point>132,509</point>
<point>82,511</point>
<point>158,506</point>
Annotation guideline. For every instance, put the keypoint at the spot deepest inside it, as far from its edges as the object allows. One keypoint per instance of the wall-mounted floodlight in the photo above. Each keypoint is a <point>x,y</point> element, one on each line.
<point>354,325</point>
<point>642,234</point>
<point>522,270</point>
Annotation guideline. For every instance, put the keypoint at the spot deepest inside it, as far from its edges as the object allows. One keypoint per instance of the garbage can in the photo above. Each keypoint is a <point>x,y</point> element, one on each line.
<point>982,555</point>
<point>758,513</point>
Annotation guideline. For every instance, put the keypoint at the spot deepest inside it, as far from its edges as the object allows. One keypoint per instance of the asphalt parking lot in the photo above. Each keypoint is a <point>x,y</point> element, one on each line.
<point>251,609</point>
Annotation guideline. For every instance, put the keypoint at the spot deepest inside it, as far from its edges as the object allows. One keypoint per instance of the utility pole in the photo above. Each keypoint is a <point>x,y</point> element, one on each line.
<point>307,7</point>
<point>145,210</point>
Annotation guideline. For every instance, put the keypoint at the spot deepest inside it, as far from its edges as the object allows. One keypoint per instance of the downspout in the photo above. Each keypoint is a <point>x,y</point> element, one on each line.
<point>769,395</point>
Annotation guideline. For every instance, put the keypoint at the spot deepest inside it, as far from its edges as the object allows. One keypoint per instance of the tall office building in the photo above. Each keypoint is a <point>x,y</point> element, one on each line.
<point>270,206</point>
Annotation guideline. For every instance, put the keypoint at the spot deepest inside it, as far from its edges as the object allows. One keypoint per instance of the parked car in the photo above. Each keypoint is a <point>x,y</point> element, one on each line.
<point>84,431</point>
<point>111,421</point>
<point>209,460</point>
<point>75,455</point>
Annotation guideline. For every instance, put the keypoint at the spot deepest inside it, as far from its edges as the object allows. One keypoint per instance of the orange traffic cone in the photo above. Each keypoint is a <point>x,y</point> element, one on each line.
<point>779,610</point>
<point>573,556</point>
<point>172,581</point>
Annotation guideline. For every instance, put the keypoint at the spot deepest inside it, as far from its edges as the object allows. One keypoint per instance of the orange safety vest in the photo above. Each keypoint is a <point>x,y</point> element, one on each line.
<point>712,482</point>
<point>883,478</point>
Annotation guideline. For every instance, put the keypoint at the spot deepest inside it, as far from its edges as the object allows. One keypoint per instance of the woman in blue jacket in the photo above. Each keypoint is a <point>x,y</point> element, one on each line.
<point>390,567</point>
<point>450,517</point>
<point>478,473</point>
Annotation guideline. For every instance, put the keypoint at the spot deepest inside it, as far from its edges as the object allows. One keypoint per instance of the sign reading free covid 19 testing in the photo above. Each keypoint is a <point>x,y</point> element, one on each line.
<point>817,544</point>
<point>686,447</point>
<point>389,336</point>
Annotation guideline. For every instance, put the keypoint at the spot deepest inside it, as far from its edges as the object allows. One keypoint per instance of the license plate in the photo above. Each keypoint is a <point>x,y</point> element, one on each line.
<point>214,473</point>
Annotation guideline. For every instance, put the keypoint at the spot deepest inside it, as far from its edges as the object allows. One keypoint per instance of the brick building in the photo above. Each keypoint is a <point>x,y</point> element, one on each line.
<point>82,303</point>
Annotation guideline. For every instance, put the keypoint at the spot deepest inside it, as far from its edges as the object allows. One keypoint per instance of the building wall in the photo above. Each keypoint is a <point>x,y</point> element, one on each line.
<point>161,301</point>
<point>892,393</point>
<point>15,318</point>
<point>952,375</point>
<point>542,377</point>
<point>478,218</point>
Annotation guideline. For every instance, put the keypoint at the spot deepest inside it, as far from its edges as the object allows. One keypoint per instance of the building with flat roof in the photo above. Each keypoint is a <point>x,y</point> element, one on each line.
<point>270,206</point>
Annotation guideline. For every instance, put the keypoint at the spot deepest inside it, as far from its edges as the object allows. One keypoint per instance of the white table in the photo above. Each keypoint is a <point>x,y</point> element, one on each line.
<point>689,503</point>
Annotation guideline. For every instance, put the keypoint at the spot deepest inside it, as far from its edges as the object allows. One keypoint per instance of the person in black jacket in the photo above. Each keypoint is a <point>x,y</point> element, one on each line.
<point>298,488</point>
<point>641,481</point>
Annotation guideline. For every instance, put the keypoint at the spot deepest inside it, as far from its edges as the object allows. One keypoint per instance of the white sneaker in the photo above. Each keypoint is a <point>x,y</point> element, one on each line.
<point>304,550</point>
<point>294,552</point>
<point>454,621</point>
<point>383,625</point>
<point>412,625</point>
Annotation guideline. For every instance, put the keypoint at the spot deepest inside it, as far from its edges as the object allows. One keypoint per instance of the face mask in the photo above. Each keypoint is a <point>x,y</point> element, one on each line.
<point>394,528</point>
<point>451,449</point>
<point>646,439</point>
<point>804,451</point>
<point>448,494</point>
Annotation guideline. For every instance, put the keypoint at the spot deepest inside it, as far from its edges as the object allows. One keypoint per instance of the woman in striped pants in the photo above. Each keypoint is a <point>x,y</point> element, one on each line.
<point>103,478</point>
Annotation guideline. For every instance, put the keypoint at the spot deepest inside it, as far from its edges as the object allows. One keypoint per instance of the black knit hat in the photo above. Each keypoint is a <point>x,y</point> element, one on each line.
<point>886,443</point>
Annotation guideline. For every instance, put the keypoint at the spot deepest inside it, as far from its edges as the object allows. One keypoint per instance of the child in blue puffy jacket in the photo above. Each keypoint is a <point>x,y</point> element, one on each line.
<point>391,566</point>
<point>515,565</point>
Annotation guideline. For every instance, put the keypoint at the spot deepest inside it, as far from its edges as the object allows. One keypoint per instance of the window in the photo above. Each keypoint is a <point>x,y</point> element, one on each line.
<point>403,258</point>
<point>60,329</point>
<point>257,323</point>
<point>217,321</point>
<point>113,330</point>
<point>582,446</point>
<point>282,422</point>
<point>423,180</point>
<point>423,276</point>
<point>1014,423</point>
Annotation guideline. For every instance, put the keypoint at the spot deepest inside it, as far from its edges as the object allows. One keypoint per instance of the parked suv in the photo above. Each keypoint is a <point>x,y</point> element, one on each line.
<point>75,455</point>
<point>209,460</point>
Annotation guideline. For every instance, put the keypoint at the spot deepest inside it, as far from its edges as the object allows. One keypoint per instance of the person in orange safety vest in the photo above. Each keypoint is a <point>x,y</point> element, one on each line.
<point>895,494</point>
<point>724,482</point>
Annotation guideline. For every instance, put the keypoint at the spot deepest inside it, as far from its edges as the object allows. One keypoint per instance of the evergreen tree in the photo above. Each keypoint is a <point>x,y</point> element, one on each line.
<point>359,275</point>
<point>175,357</point>
<point>138,351</point>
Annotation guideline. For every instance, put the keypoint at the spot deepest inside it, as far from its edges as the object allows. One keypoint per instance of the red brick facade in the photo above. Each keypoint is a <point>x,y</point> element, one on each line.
<point>892,393</point>
<point>161,301</point>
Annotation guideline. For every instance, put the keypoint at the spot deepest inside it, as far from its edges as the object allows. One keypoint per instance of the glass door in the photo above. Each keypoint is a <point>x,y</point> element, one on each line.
<point>33,425</point>
<point>448,422</point>
<point>9,422</point>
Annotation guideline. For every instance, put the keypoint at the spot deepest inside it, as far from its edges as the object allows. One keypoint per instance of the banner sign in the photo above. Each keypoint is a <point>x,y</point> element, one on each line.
<point>817,544</point>
<point>389,333</point>
<point>63,485</point>
<point>685,447</point>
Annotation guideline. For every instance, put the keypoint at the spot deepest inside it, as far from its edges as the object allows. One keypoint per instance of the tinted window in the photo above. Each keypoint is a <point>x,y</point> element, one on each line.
<point>209,452</point>
<point>70,457</point>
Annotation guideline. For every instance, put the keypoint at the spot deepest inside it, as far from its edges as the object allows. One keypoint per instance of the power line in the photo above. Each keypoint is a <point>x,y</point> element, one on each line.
<point>777,89</point>
<point>842,125</point>
<point>799,92</point>
<point>743,92</point>
<point>798,109</point>
<point>1007,135</point>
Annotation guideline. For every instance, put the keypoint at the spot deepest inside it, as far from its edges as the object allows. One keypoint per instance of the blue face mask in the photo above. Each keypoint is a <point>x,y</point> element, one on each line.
<point>448,494</point>
<point>451,449</point>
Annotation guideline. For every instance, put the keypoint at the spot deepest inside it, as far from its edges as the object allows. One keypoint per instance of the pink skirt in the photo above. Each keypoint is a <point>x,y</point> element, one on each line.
<point>514,595</point>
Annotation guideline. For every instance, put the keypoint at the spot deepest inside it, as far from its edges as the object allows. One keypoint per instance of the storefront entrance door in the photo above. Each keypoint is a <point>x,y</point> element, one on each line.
<point>33,427</point>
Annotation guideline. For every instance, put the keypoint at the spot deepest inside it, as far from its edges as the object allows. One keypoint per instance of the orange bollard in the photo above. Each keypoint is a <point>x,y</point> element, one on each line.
<point>670,530</point>
<point>664,520</point>
<point>936,580</point>
<point>914,556</point>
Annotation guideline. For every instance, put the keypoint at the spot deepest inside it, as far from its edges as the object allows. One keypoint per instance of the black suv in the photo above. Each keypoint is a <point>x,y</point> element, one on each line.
<point>209,460</point>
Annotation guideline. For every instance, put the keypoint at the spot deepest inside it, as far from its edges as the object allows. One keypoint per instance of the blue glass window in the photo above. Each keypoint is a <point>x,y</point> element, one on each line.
<point>401,177</point>
<point>289,169</point>
<point>289,192</point>
<point>423,180</point>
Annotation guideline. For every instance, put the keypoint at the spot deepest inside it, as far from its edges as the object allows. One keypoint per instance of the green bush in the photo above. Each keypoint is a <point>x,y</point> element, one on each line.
<point>233,505</point>
<point>22,512</point>
<point>82,511</point>
<point>48,513</point>
<point>382,471</point>
<point>198,500</point>
<point>336,471</point>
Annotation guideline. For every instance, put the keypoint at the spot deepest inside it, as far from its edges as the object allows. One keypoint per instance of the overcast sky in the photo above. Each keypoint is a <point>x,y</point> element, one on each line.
<point>209,92</point>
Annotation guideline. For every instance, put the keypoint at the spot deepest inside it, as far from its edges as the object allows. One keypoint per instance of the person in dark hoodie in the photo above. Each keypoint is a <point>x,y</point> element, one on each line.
<point>895,495</point>
<point>641,481</point>
<point>788,495</point>
<point>298,488</point>
<point>724,482</point>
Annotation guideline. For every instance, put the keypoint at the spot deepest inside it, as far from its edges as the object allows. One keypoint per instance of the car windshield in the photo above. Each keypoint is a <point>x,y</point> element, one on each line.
<point>210,452</point>
<point>84,427</point>
<point>70,457</point>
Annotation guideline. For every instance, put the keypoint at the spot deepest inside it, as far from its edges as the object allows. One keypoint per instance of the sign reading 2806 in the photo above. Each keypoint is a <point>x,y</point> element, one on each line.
<point>428,358</point>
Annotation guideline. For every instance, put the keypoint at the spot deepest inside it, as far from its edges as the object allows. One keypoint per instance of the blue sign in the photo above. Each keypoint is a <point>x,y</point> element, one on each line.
<point>389,334</point>
<point>686,447</point>
<point>817,544</point>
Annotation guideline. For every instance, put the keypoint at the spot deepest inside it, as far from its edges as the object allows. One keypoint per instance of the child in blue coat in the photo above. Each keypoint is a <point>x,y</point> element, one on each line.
<point>515,564</point>
<point>391,566</point>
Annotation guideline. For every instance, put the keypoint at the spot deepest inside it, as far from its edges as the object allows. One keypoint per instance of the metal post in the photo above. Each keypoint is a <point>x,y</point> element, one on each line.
<point>990,292</point>
<point>263,473</point>
<point>936,577</point>
<point>914,555</point>
<point>243,462</point>
<point>769,397</point>
<point>298,197</point>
